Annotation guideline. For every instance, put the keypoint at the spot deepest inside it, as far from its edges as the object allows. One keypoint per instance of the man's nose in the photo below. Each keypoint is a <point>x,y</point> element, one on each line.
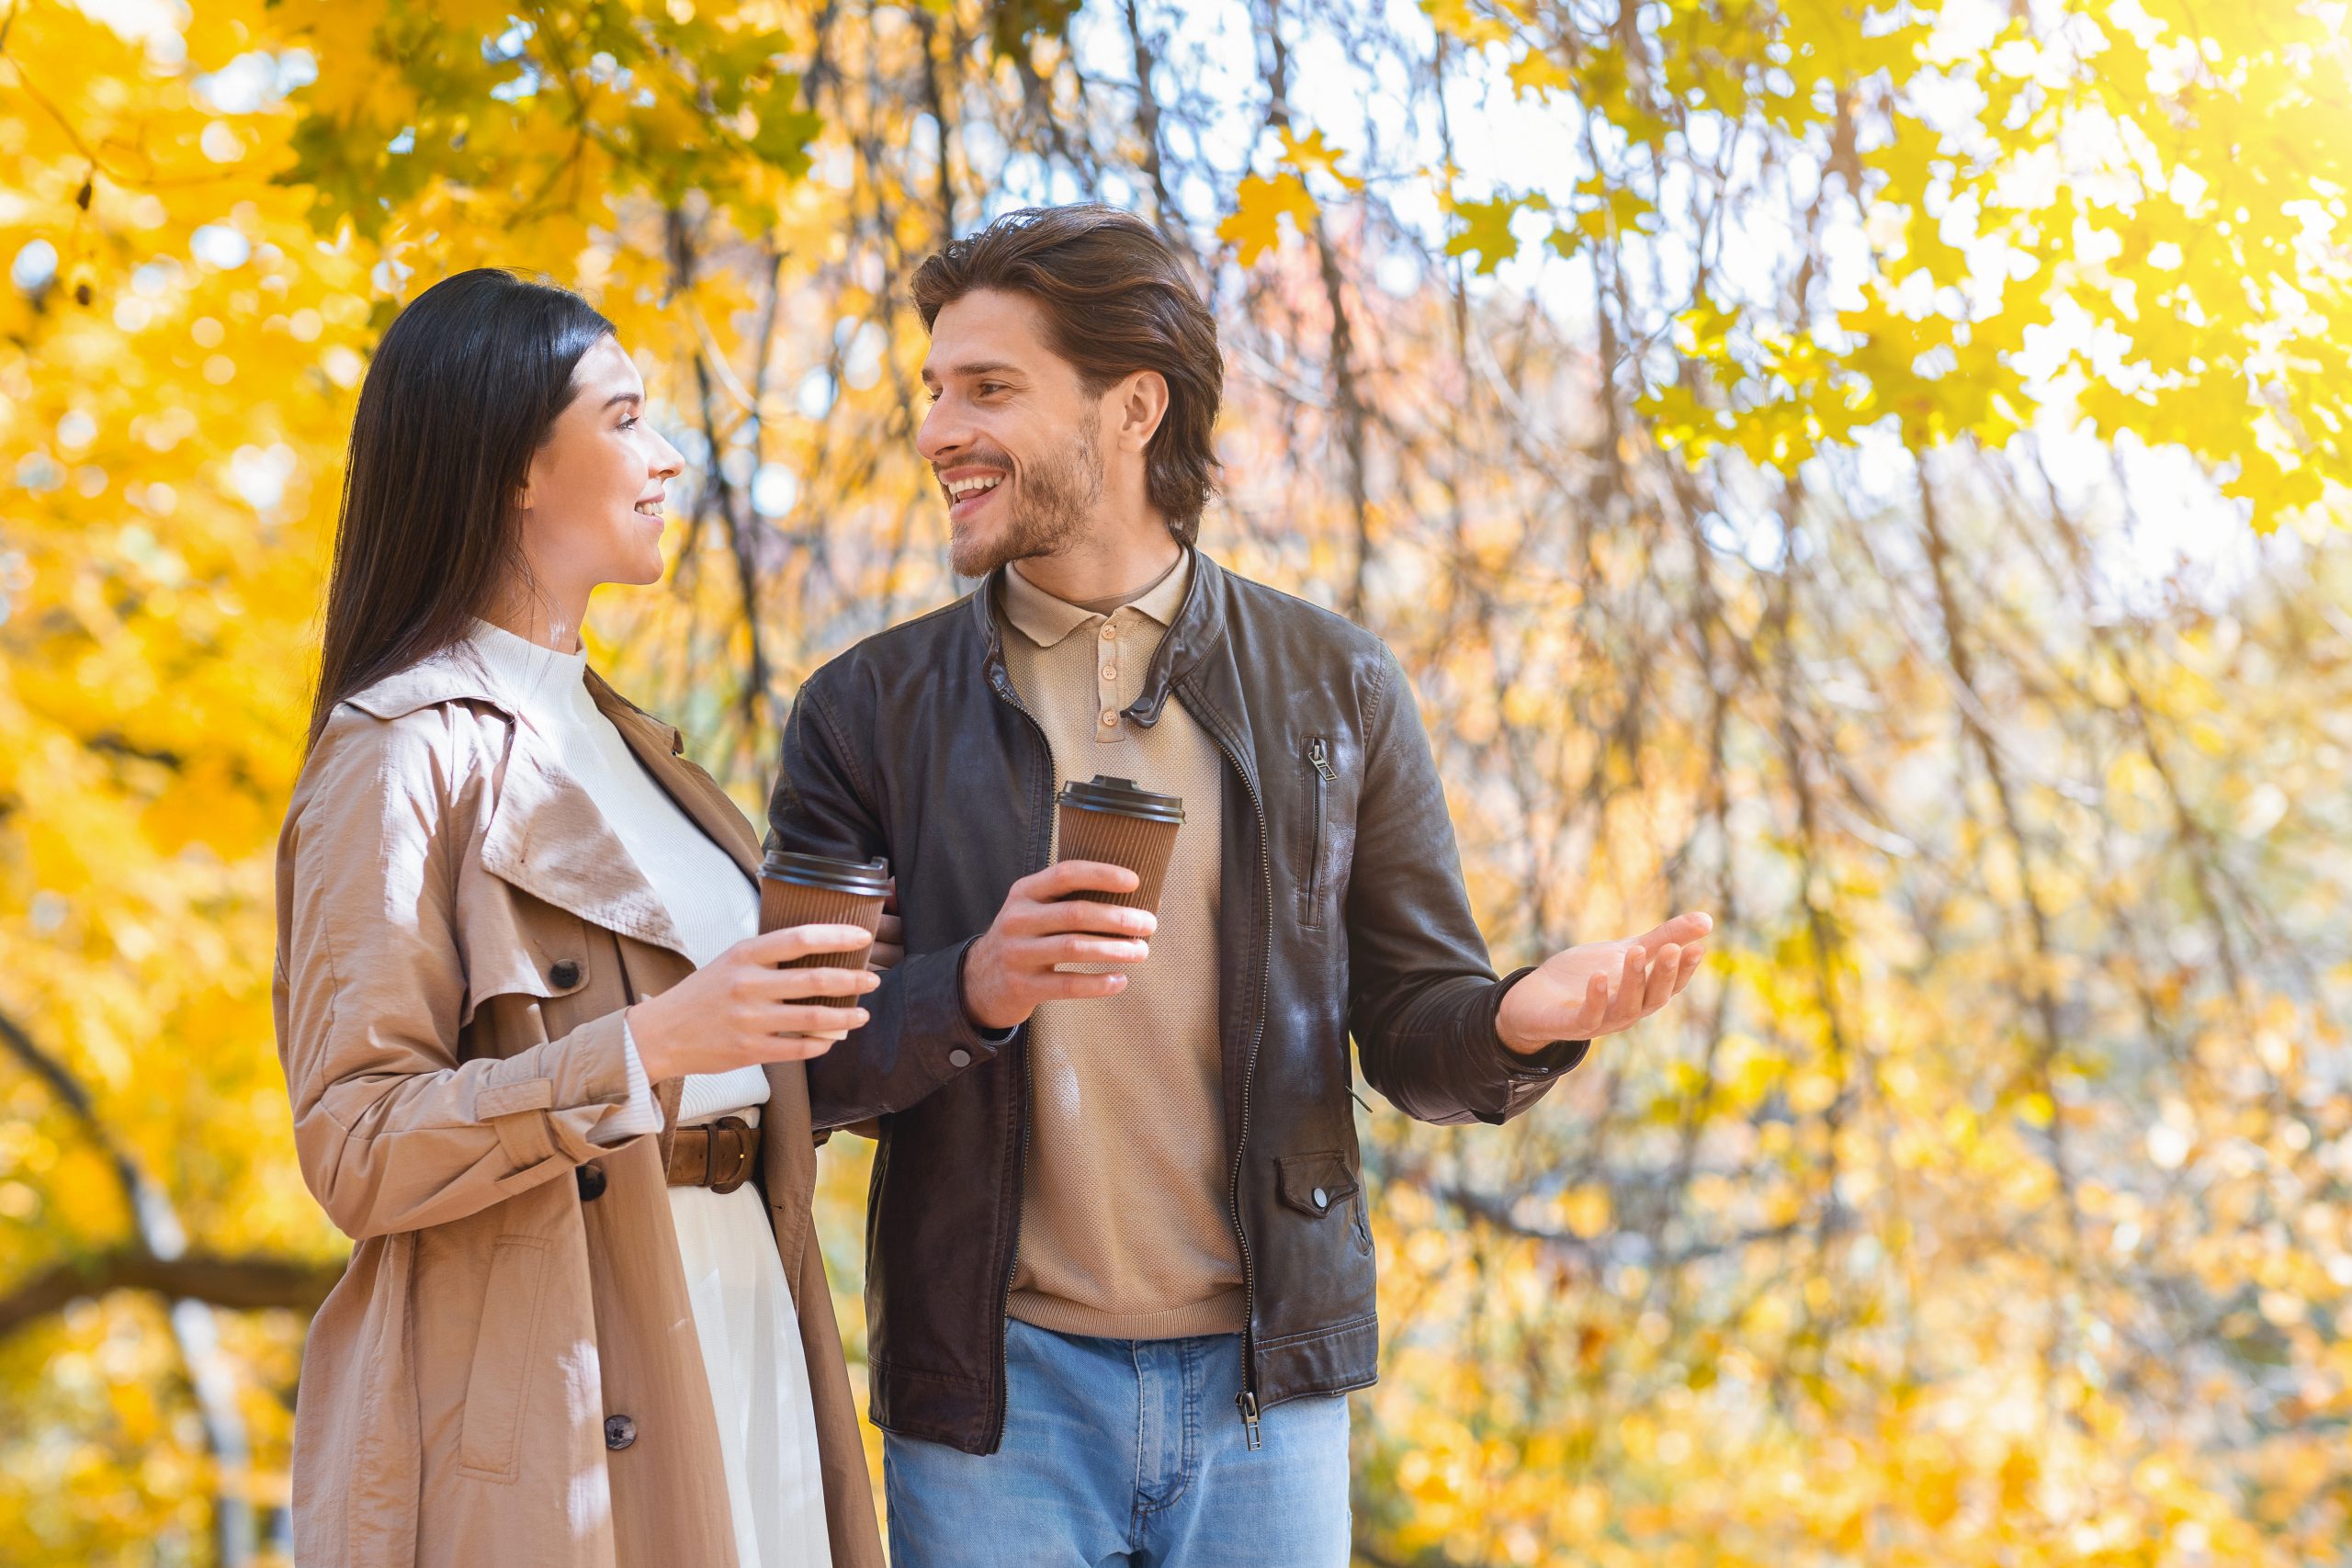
<point>942,432</point>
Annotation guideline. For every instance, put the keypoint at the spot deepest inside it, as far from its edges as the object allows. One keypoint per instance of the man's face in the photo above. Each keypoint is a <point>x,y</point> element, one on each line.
<point>1012,434</point>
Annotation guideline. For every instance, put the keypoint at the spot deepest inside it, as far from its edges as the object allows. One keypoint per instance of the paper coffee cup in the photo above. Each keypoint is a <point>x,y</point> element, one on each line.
<point>1110,819</point>
<point>817,890</point>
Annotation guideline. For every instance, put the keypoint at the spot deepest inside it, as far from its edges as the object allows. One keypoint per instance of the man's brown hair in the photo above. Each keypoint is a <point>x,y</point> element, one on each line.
<point>1116,300</point>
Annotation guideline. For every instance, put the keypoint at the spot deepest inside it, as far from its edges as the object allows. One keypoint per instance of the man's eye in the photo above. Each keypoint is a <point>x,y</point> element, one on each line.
<point>991,388</point>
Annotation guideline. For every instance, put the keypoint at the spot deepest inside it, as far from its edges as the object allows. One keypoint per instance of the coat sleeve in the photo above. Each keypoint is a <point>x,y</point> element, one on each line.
<point>1422,998</point>
<point>918,1036</point>
<point>393,1133</point>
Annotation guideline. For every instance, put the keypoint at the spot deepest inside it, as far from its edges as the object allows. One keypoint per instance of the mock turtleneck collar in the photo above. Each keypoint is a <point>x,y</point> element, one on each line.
<point>547,686</point>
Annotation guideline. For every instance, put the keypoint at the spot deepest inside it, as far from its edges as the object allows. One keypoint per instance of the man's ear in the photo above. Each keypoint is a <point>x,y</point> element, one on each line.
<point>1142,403</point>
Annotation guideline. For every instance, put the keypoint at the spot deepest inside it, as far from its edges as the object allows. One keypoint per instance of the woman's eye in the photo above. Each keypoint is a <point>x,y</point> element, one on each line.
<point>630,422</point>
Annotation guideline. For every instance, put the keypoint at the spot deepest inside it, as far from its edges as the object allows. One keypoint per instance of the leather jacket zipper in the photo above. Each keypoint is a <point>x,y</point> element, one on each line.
<point>1246,1400</point>
<point>1003,687</point>
<point>1319,752</point>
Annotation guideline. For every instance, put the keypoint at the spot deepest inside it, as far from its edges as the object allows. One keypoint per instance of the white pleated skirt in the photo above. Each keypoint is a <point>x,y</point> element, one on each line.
<point>759,1376</point>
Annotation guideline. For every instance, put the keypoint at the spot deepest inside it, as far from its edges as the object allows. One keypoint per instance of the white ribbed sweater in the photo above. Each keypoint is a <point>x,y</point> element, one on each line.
<point>710,901</point>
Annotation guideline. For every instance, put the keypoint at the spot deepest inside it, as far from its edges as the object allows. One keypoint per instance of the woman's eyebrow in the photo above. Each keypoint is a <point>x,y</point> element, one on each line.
<point>638,397</point>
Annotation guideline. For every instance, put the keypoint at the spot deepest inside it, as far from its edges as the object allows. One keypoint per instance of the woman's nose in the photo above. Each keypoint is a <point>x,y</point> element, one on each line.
<point>668,461</point>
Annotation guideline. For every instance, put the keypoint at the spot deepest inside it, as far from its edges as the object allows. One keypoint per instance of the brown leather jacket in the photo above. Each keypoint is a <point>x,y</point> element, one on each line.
<point>1344,915</point>
<point>508,1371</point>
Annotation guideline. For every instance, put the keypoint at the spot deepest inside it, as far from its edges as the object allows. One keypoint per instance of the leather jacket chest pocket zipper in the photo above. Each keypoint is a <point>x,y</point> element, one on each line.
<point>1318,757</point>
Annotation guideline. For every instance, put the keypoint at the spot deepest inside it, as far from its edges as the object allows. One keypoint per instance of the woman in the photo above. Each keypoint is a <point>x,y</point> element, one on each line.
<point>542,1069</point>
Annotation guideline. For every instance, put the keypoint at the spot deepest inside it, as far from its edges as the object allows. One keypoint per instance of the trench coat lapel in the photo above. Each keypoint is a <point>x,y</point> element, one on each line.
<point>545,836</point>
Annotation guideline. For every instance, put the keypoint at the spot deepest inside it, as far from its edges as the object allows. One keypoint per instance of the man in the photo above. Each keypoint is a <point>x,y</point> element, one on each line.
<point>1119,1271</point>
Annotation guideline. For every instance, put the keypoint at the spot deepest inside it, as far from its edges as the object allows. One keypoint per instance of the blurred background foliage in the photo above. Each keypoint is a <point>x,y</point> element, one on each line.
<point>1873,471</point>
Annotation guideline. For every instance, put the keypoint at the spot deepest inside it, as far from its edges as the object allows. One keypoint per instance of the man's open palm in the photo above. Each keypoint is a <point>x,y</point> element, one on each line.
<point>1603,986</point>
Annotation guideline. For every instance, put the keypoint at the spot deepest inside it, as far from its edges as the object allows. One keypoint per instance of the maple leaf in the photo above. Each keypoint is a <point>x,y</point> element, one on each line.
<point>1256,224</point>
<point>1536,71</point>
<point>1485,229</point>
<point>1456,19</point>
<point>1311,152</point>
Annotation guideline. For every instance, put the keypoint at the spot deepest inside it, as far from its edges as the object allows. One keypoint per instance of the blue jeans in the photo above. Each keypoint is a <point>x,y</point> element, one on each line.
<point>1128,1452</point>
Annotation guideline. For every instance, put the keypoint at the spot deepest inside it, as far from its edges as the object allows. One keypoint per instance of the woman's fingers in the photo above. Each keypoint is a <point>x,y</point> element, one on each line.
<point>799,942</point>
<point>1664,970</point>
<point>805,1018</point>
<point>792,984</point>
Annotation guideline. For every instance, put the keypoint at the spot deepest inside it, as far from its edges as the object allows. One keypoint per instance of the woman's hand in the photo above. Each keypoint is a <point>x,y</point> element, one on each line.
<point>740,1009</point>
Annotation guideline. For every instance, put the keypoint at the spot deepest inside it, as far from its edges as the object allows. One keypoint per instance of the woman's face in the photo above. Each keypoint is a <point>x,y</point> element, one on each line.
<point>592,507</point>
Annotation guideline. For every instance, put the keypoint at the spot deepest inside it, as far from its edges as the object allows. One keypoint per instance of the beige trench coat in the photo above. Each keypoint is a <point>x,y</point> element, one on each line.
<point>457,932</point>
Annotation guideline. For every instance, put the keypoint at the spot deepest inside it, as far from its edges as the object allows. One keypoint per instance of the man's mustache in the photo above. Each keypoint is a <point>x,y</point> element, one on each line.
<point>990,459</point>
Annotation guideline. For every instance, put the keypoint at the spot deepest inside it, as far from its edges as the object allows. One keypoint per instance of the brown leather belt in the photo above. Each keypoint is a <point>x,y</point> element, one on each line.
<point>721,1155</point>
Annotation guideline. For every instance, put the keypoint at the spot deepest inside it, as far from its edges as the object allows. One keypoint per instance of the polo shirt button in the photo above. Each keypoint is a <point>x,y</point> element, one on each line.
<point>565,973</point>
<point>1322,1199</point>
<point>959,1057</point>
<point>620,1431</point>
<point>1110,718</point>
<point>1109,634</point>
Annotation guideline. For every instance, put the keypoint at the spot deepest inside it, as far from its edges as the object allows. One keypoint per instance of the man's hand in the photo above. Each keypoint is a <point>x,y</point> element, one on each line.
<point>889,937</point>
<point>1603,986</point>
<point>1011,967</point>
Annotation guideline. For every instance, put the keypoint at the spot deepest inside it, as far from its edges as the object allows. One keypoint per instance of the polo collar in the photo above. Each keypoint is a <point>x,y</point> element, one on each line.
<point>1046,620</point>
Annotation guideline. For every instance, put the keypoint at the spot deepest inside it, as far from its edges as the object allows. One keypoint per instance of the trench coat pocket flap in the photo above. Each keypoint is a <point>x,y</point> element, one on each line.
<point>506,1099</point>
<point>490,1440</point>
<point>1315,1184</point>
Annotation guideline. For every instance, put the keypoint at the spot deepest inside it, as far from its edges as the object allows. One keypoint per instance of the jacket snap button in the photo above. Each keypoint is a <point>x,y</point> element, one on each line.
<point>959,1057</point>
<point>565,973</point>
<point>1322,1199</point>
<point>592,1182</point>
<point>620,1431</point>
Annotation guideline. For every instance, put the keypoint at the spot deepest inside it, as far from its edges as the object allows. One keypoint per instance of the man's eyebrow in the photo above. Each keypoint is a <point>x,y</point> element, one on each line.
<point>978,367</point>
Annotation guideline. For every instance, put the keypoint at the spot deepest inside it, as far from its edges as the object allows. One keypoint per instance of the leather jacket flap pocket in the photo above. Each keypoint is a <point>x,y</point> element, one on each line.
<point>1315,1184</point>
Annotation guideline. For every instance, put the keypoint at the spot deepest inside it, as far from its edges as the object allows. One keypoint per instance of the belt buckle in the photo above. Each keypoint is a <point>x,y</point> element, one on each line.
<point>743,1147</point>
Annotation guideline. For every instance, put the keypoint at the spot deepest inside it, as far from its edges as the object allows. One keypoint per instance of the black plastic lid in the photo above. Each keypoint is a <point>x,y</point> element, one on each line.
<point>869,879</point>
<point>1121,797</point>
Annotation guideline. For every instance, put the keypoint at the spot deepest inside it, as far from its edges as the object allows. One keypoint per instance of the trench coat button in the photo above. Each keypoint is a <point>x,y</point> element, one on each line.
<point>620,1431</point>
<point>592,1181</point>
<point>959,1057</point>
<point>1322,1199</point>
<point>565,973</point>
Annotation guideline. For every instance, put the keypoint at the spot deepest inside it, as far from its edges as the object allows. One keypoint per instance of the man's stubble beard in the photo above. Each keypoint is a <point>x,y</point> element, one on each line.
<point>1056,506</point>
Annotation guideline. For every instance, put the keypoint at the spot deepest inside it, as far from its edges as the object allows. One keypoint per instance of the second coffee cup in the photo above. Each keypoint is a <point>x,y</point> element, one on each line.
<point>811,890</point>
<point>1110,819</point>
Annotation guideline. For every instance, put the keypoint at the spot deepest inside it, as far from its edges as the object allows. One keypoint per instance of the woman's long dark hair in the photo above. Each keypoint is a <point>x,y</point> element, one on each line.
<point>466,385</point>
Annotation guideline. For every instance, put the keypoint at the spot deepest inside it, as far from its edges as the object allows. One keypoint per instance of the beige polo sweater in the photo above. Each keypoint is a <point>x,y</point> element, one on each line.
<point>1124,1231</point>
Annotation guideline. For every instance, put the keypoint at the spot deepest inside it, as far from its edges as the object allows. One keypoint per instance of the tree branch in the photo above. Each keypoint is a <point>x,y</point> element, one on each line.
<point>245,1282</point>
